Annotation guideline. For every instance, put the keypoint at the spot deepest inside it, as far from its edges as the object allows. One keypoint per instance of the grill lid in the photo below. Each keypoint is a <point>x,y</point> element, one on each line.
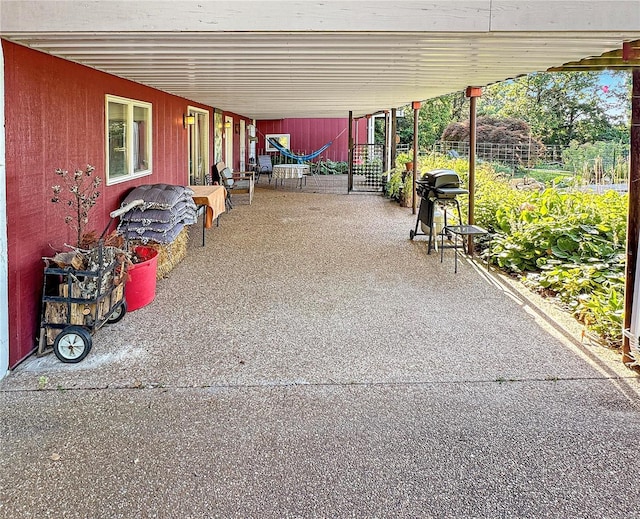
<point>441,178</point>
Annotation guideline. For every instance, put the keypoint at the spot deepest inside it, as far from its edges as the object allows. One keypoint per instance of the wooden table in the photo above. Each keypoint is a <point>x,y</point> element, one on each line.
<point>212,200</point>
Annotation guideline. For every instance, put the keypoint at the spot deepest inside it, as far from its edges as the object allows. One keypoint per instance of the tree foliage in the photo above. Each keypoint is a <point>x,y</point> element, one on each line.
<point>561,106</point>
<point>433,118</point>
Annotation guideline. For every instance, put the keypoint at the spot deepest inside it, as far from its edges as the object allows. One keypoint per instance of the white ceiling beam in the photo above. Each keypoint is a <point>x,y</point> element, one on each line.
<point>561,15</point>
<point>242,15</point>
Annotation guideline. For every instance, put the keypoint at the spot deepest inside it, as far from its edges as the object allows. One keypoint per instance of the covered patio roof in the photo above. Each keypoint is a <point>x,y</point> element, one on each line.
<point>269,60</point>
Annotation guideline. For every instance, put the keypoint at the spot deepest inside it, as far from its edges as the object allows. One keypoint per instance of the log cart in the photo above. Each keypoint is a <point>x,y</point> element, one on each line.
<point>82,291</point>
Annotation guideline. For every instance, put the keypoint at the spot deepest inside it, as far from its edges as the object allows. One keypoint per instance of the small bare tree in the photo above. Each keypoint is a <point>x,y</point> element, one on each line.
<point>77,194</point>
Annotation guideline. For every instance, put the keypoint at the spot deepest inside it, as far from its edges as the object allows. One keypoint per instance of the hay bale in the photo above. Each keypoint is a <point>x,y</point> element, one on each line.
<point>169,255</point>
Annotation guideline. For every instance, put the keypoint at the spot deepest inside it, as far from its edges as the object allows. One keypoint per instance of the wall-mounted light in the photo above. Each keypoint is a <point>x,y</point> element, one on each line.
<point>188,120</point>
<point>227,124</point>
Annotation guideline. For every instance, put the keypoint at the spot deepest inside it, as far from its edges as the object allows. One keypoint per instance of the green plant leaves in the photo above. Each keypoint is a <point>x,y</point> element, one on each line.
<point>567,245</point>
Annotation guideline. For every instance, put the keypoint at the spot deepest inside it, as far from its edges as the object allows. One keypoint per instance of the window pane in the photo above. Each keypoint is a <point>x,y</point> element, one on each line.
<point>140,138</point>
<point>117,139</point>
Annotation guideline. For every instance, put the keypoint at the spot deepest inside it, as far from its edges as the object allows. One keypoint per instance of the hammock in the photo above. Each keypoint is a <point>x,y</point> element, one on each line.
<point>301,158</point>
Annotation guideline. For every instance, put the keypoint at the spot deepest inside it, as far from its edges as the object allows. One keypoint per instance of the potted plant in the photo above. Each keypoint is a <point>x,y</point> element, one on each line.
<point>406,160</point>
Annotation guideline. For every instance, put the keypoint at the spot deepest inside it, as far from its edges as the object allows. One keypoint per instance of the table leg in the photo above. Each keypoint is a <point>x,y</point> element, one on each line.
<point>455,253</point>
<point>204,221</point>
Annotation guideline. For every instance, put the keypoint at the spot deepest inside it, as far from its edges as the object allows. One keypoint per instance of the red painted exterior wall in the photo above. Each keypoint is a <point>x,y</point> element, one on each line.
<point>55,118</point>
<point>308,135</point>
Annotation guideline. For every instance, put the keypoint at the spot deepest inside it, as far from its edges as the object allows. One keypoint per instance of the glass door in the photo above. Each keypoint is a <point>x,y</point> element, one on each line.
<point>218,125</point>
<point>243,145</point>
<point>228,145</point>
<point>198,146</point>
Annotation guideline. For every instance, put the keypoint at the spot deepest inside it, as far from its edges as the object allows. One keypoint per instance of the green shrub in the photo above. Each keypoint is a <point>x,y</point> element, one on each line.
<point>329,167</point>
<point>566,245</point>
<point>393,187</point>
<point>569,246</point>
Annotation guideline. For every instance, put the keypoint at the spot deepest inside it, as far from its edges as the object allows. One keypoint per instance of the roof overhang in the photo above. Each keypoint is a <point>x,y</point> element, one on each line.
<point>271,60</point>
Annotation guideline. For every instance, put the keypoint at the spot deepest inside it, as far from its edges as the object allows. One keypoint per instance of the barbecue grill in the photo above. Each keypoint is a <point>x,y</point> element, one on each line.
<point>437,187</point>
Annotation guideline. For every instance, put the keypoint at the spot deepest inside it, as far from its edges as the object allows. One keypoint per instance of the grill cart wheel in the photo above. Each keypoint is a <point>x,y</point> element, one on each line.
<point>118,313</point>
<point>72,344</point>
<point>411,234</point>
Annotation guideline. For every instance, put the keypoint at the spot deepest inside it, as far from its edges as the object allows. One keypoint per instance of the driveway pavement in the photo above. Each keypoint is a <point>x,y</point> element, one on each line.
<point>311,361</point>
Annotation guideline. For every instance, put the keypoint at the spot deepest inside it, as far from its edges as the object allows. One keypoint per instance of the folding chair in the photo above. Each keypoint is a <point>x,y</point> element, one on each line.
<point>264,167</point>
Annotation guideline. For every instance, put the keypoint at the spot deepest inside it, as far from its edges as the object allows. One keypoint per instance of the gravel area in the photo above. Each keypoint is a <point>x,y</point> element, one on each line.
<point>312,361</point>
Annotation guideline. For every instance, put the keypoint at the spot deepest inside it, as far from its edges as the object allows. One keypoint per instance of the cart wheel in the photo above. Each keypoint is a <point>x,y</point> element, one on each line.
<point>118,313</point>
<point>72,344</point>
<point>411,234</point>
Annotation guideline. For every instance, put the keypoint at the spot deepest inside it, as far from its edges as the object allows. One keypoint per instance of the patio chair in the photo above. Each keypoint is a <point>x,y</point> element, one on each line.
<point>236,183</point>
<point>264,167</point>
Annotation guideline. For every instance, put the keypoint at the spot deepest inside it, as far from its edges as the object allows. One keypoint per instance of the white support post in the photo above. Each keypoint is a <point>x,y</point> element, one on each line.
<point>4,252</point>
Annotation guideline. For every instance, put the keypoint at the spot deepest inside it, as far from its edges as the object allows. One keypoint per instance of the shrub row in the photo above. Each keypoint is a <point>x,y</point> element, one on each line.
<point>566,245</point>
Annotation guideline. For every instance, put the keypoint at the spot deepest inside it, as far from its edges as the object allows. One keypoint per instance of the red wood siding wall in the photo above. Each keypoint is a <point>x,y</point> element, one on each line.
<point>55,117</point>
<point>308,135</point>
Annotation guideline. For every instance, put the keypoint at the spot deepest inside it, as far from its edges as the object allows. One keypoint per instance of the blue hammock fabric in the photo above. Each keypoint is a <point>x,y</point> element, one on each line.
<point>300,158</point>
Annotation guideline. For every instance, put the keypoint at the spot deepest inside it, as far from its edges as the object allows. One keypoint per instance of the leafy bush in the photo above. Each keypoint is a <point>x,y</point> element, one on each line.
<point>393,187</point>
<point>569,246</point>
<point>399,187</point>
<point>520,147</point>
<point>574,227</point>
<point>329,167</point>
<point>550,177</point>
<point>565,245</point>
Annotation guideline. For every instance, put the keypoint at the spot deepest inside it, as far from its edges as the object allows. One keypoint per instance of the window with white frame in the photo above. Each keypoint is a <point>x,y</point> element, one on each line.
<point>128,139</point>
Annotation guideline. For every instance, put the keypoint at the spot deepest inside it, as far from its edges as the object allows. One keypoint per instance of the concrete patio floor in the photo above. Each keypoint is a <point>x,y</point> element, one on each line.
<point>311,361</point>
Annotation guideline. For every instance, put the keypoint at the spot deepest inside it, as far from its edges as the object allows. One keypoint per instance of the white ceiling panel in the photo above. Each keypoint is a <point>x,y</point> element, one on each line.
<point>271,74</point>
